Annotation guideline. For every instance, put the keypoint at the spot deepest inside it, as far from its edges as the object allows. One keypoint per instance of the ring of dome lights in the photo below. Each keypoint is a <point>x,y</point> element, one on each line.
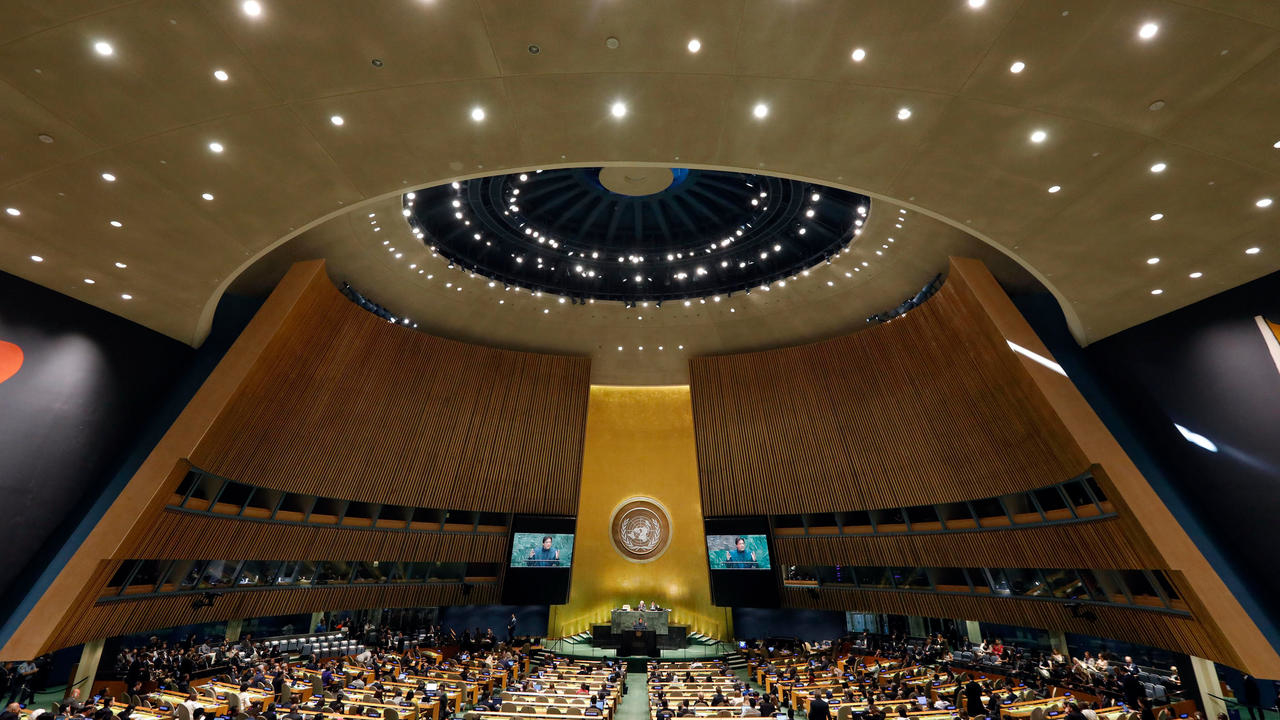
<point>708,233</point>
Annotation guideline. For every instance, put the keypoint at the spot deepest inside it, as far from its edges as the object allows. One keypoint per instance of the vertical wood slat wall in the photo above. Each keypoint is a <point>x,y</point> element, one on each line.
<point>118,618</point>
<point>923,409</point>
<point>1145,627</point>
<point>1091,544</point>
<point>344,404</point>
<point>177,535</point>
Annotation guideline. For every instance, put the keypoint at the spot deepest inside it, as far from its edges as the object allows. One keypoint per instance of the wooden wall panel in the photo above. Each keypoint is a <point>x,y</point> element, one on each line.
<point>1157,629</point>
<point>1094,544</point>
<point>177,535</point>
<point>344,404</point>
<point>130,616</point>
<point>926,408</point>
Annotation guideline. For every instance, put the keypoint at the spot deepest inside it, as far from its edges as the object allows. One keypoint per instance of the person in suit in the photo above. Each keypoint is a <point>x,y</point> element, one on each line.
<point>818,709</point>
<point>973,698</point>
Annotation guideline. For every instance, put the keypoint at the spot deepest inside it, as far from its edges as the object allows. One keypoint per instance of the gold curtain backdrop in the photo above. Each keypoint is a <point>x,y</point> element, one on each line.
<point>639,443</point>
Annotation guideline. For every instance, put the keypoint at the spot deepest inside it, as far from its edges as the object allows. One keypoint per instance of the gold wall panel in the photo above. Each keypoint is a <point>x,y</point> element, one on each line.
<point>639,443</point>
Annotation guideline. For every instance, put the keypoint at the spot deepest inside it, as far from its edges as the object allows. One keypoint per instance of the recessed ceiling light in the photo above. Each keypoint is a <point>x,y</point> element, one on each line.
<point>13,211</point>
<point>815,197</point>
<point>1157,291</point>
<point>108,177</point>
<point>859,55</point>
<point>116,224</point>
<point>252,8</point>
<point>1253,251</point>
<point>618,109</point>
<point>36,258</point>
<point>221,75</point>
<point>1157,216</point>
<point>336,120</point>
<point>121,265</point>
<point>1148,31</point>
<point>1195,275</point>
<point>477,113</point>
<point>126,296</point>
<point>695,45</point>
<point>904,113</point>
<point>760,110</point>
<point>1276,145</point>
<point>1153,261</point>
<point>215,147</point>
<point>1158,167</point>
<point>1017,67</point>
<point>89,281</point>
<point>1054,188</point>
<point>1039,136</point>
<point>1263,202</point>
<point>103,48</point>
<point>207,196</point>
<point>977,3</point>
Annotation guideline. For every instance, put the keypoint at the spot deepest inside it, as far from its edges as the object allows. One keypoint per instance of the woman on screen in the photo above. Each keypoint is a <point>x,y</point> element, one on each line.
<point>739,557</point>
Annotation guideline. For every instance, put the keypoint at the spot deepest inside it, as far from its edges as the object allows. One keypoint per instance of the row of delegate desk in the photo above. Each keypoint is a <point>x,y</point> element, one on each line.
<point>559,694</point>
<point>885,672</point>
<point>700,689</point>
<point>450,693</point>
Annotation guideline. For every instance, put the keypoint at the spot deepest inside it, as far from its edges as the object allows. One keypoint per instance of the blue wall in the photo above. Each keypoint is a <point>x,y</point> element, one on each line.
<point>530,619</point>
<point>162,372</point>
<point>800,624</point>
<point>1204,367</point>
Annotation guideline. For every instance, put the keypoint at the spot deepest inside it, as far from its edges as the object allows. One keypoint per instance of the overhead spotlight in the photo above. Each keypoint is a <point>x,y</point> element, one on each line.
<point>108,177</point>
<point>760,110</point>
<point>1052,189</point>
<point>1148,31</point>
<point>1158,167</point>
<point>220,75</point>
<point>1039,136</point>
<point>618,109</point>
<point>215,147</point>
<point>904,113</point>
<point>252,8</point>
<point>1157,216</point>
<point>477,113</point>
<point>103,48</point>
<point>1017,67</point>
<point>694,45</point>
<point>859,55</point>
<point>975,4</point>
<point>15,212</point>
<point>337,120</point>
<point>1263,202</point>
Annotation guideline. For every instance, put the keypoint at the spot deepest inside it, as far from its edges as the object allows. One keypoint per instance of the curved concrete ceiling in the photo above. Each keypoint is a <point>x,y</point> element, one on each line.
<point>645,345</point>
<point>148,111</point>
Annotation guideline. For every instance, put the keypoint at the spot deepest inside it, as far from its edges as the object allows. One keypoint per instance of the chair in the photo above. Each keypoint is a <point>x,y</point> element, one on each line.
<point>233,703</point>
<point>578,711</point>
<point>389,714</point>
<point>286,695</point>
<point>527,709</point>
<point>1037,713</point>
<point>553,710</point>
<point>844,713</point>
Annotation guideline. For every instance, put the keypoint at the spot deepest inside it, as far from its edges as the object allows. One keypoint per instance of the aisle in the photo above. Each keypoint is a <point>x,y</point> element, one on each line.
<point>635,704</point>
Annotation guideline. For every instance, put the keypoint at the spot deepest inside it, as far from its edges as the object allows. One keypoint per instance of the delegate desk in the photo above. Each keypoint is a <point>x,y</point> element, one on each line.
<point>655,620</point>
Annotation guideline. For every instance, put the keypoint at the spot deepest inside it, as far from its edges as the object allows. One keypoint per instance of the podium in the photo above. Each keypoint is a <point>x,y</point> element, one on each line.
<point>639,642</point>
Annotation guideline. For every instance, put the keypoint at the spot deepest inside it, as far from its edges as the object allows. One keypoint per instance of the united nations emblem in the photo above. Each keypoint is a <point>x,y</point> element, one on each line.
<point>641,529</point>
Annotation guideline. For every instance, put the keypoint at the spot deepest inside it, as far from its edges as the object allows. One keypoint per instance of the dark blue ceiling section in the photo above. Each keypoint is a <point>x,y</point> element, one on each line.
<point>707,233</point>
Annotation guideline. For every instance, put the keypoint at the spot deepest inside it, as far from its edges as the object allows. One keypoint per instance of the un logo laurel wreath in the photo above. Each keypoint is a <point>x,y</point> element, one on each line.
<point>640,529</point>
